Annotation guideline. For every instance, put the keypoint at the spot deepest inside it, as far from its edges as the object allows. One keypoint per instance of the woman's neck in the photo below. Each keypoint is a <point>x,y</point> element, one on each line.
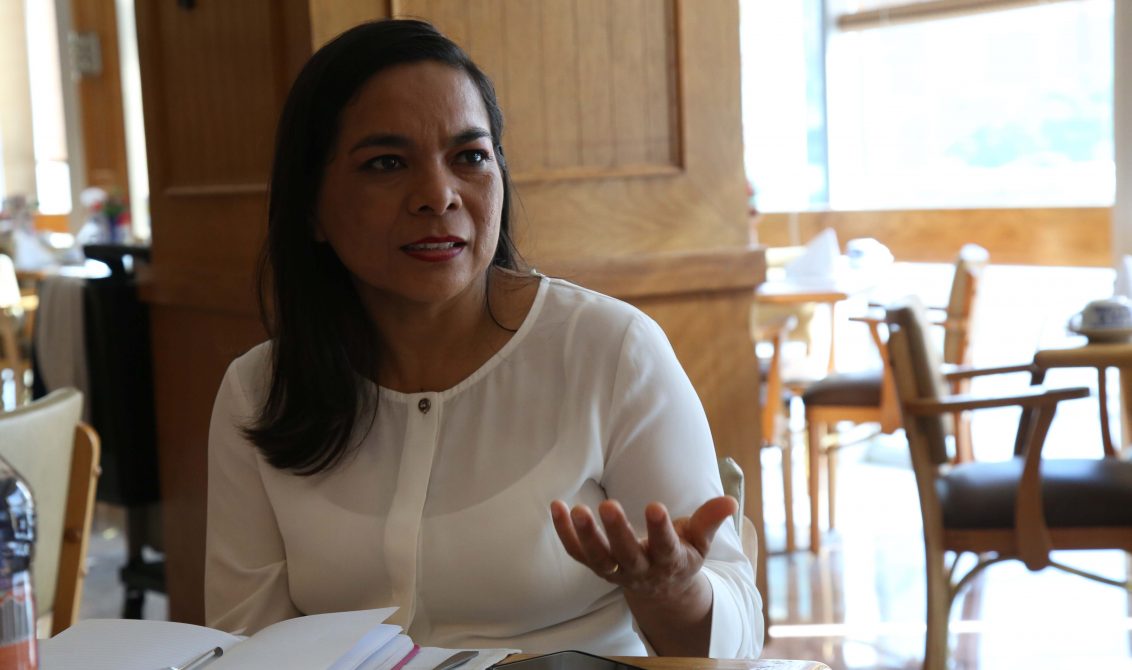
<point>435,347</point>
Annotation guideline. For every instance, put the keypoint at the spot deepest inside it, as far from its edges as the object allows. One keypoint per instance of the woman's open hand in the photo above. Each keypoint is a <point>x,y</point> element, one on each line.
<point>660,566</point>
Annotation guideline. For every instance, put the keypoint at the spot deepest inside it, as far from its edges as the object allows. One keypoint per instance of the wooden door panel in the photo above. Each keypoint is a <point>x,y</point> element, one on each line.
<point>586,86</point>
<point>622,120</point>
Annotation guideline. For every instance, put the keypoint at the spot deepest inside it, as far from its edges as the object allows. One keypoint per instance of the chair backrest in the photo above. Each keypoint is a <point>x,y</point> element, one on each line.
<point>57,457</point>
<point>969,268</point>
<point>916,371</point>
<point>732,477</point>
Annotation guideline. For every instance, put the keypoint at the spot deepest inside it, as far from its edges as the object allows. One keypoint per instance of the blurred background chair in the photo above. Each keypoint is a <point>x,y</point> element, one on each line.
<point>57,456</point>
<point>1022,508</point>
<point>869,397</point>
<point>731,475</point>
<point>93,332</point>
<point>803,315</point>
<point>774,400</point>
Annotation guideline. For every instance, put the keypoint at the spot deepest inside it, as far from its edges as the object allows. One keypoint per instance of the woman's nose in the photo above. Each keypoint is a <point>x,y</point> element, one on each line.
<point>434,191</point>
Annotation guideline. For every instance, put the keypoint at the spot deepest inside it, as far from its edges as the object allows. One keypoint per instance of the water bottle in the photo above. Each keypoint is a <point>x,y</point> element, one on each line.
<point>17,544</point>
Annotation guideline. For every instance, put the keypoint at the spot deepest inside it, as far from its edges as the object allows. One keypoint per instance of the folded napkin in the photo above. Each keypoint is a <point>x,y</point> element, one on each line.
<point>1123,284</point>
<point>819,260</point>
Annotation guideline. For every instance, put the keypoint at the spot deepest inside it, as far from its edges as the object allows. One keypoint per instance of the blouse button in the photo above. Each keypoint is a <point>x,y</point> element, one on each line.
<point>424,405</point>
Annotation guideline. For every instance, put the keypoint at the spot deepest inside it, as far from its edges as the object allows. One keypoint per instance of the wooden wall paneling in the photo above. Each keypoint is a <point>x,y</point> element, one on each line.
<point>627,64</point>
<point>595,90</point>
<point>560,85</point>
<point>522,79</point>
<point>213,79</point>
<point>191,351</point>
<point>662,94</point>
<point>1072,236</point>
<point>549,56</point>
<point>100,100</point>
<point>700,202</point>
<point>452,16</point>
<point>488,47</point>
<point>237,150</point>
<point>329,18</point>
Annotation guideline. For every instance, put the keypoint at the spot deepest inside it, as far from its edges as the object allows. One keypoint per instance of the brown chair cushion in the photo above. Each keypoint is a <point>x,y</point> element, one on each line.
<point>1075,492</point>
<point>845,389</point>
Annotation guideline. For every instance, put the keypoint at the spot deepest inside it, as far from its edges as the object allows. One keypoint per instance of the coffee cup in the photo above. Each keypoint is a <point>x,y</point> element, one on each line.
<point>1107,313</point>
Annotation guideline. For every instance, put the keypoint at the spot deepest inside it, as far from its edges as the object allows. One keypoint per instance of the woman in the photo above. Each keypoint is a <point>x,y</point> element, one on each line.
<point>425,413</point>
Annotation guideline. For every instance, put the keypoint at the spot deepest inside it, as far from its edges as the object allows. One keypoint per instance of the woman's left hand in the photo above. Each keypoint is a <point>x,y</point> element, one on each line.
<point>661,566</point>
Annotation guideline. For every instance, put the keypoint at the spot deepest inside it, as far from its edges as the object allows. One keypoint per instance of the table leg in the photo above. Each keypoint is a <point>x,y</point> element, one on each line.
<point>1125,408</point>
<point>832,336</point>
<point>1102,400</point>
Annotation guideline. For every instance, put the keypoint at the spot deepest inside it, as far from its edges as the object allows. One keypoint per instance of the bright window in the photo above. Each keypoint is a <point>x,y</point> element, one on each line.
<point>49,131</point>
<point>1006,108</point>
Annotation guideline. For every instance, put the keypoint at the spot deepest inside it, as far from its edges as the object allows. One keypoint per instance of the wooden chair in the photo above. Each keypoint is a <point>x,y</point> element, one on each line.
<point>731,475</point>
<point>1020,509</point>
<point>775,431</point>
<point>57,456</point>
<point>869,397</point>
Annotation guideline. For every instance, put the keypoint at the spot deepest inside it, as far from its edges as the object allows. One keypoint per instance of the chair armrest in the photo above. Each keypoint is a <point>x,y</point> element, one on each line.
<point>930,308</point>
<point>953,372</point>
<point>1030,397</point>
<point>870,319</point>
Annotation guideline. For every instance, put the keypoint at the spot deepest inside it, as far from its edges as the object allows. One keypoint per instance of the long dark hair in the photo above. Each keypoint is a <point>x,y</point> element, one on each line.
<point>323,343</point>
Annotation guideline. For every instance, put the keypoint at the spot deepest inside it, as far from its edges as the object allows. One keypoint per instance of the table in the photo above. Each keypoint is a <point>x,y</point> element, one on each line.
<point>1100,356</point>
<point>675,663</point>
<point>827,291</point>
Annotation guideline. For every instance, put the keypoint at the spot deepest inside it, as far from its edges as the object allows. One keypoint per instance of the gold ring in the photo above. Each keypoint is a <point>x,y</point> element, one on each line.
<point>615,570</point>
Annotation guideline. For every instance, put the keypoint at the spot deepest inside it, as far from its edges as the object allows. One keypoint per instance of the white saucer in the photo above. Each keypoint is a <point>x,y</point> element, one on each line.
<point>1099,335</point>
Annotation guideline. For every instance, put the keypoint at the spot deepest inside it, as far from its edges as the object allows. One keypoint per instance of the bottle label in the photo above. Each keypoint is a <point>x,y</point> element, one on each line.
<point>17,623</point>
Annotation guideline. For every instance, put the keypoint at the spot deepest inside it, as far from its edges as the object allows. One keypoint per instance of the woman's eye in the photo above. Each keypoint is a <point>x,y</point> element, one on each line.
<point>385,163</point>
<point>474,157</point>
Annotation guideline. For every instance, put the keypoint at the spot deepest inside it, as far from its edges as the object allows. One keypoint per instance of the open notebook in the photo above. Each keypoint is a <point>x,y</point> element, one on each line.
<point>339,641</point>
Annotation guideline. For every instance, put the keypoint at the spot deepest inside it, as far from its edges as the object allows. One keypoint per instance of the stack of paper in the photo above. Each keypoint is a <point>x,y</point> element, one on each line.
<point>339,641</point>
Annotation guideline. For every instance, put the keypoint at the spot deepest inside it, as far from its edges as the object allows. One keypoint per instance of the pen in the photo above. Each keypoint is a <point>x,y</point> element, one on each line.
<point>197,661</point>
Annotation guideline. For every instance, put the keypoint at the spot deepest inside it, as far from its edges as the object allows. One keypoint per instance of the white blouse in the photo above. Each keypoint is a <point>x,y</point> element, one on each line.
<point>443,509</point>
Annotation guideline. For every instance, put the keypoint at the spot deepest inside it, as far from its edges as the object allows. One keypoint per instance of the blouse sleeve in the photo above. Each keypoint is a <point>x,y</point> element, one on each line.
<point>660,448</point>
<point>245,563</point>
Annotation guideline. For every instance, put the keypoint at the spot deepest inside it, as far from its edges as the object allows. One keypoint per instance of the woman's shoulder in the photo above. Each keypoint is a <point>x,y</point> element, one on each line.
<point>591,325</point>
<point>251,370</point>
<point>568,301</point>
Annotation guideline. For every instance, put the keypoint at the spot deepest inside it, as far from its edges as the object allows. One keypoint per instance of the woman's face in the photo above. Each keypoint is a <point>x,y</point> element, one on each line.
<point>411,199</point>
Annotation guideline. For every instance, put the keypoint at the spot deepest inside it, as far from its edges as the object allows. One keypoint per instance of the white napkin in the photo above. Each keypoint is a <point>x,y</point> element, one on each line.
<point>1123,284</point>
<point>30,252</point>
<point>819,260</point>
